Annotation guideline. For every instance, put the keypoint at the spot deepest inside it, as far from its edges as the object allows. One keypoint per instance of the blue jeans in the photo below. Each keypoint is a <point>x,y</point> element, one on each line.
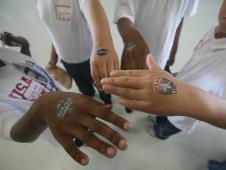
<point>216,165</point>
<point>164,129</point>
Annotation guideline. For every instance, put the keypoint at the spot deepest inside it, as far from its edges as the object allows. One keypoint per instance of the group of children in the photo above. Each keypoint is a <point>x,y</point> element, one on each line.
<point>81,39</point>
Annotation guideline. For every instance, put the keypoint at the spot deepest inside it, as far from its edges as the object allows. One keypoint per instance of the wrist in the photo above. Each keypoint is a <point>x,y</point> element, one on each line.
<point>103,43</point>
<point>124,25</point>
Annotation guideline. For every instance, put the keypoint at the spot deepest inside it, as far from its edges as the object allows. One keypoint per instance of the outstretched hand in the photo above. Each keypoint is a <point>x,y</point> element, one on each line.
<point>151,91</point>
<point>71,116</point>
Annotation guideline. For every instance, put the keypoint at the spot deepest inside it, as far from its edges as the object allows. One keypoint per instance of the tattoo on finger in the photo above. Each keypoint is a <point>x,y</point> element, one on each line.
<point>65,106</point>
<point>164,86</point>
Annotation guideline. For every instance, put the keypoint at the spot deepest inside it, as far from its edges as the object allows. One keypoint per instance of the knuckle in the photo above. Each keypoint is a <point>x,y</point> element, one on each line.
<point>97,126</point>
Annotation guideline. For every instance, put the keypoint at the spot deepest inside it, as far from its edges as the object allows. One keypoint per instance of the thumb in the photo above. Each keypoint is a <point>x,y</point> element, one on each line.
<point>151,62</point>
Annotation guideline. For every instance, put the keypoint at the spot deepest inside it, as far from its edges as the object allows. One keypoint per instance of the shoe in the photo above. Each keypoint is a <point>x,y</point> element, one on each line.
<point>153,119</point>
<point>151,131</point>
<point>216,165</point>
<point>106,98</point>
<point>128,110</point>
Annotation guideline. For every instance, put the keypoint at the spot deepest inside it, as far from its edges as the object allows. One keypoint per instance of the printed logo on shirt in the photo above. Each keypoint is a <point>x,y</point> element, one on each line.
<point>36,72</point>
<point>199,45</point>
<point>63,10</point>
<point>28,89</point>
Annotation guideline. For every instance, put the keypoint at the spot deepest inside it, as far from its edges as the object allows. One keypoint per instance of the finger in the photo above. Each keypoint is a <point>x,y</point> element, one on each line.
<point>91,140</point>
<point>131,73</point>
<point>96,77</point>
<point>73,151</point>
<point>135,104</point>
<point>103,130</point>
<point>103,112</point>
<point>128,93</point>
<point>110,67</point>
<point>102,71</point>
<point>151,62</point>
<point>116,64</point>
<point>125,81</point>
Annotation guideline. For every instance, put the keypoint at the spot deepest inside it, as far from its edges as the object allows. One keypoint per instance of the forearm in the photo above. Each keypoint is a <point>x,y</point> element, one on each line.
<point>203,106</point>
<point>123,25</point>
<point>53,57</point>
<point>98,23</point>
<point>28,128</point>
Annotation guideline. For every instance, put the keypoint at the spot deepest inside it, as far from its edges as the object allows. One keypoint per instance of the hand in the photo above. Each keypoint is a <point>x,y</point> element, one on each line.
<point>71,116</point>
<point>151,91</point>
<point>135,50</point>
<point>12,40</point>
<point>103,61</point>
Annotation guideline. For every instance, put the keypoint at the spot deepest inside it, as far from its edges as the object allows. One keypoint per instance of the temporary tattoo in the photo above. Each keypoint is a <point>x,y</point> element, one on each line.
<point>164,86</point>
<point>130,46</point>
<point>102,52</point>
<point>65,106</point>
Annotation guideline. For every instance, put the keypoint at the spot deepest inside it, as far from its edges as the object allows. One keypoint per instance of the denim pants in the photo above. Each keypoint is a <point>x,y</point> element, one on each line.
<point>164,129</point>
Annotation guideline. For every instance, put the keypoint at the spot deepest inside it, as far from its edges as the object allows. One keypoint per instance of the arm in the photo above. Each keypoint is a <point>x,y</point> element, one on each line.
<point>156,91</point>
<point>52,64</point>
<point>135,47</point>
<point>103,58</point>
<point>173,52</point>
<point>19,41</point>
<point>68,117</point>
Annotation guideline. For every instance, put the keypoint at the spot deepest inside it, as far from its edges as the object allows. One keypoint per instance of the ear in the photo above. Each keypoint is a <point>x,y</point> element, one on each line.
<point>151,62</point>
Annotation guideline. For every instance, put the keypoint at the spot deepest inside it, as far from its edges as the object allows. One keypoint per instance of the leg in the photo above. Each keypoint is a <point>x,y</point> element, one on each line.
<point>81,74</point>
<point>164,129</point>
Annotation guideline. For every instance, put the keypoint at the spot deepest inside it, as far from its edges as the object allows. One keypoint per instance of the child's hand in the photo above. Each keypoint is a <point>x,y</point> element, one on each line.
<point>151,91</point>
<point>135,48</point>
<point>71,116</point>
<point>103,60</point>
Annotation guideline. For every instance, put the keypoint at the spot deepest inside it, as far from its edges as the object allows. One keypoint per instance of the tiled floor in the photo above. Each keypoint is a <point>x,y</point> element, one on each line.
<point>181,152</point>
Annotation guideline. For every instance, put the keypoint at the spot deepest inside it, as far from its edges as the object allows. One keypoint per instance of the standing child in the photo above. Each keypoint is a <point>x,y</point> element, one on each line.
<point>82,40</point>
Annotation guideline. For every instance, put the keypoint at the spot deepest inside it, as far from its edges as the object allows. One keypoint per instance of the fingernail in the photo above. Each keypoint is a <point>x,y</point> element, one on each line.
<point>104,80</point>
<point>127,126</point>
<point>84,161</point>
<point>123,144</point>
<point>111,152</point>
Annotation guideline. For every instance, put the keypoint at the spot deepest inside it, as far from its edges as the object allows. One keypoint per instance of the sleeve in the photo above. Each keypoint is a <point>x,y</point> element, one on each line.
<point>8,117</point>
<point>192,8</point>
<point>124,9</point>
<point>81,4</point>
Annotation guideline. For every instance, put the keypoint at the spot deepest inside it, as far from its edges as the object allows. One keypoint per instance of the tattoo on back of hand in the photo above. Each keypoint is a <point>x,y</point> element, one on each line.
<point>130,46</point>
<point>102,52</point>
<point>65,106</point>
<point>164,86</point>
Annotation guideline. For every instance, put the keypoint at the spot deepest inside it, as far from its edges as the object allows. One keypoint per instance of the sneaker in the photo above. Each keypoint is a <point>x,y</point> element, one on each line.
<point>151,131</point>
<point>153,119</point>
<point>106,98</point>
<point>128,110</point>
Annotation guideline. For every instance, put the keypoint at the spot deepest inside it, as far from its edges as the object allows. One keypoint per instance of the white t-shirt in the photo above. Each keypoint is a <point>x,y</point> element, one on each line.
<point>67,27</point>
<point>206,69</point>
<point>22,82</point>
<point>157,21</point>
